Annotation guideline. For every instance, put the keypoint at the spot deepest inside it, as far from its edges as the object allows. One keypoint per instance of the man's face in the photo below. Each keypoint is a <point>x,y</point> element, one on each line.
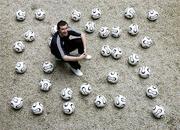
<point>64,30</point>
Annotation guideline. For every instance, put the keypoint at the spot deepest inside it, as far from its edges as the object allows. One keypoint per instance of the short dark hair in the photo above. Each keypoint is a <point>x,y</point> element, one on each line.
<point>61,23</point>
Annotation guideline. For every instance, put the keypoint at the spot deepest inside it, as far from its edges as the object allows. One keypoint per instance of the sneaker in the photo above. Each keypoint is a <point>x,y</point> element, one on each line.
<point>88,57</point>
<point>77,71</point>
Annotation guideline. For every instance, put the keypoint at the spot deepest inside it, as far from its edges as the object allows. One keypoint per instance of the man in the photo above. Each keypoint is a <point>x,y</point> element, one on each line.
<point>62,45</point>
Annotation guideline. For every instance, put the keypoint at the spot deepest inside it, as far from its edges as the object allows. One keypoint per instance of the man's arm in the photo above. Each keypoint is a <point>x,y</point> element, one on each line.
<point>83,37</point>
<point>74,58</point>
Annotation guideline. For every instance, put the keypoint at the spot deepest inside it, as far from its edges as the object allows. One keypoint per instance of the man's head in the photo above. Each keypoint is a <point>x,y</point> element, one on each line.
<point>62,28</point>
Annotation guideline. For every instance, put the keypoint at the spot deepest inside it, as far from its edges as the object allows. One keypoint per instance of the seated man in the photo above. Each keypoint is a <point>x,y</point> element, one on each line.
<point>62,45</point>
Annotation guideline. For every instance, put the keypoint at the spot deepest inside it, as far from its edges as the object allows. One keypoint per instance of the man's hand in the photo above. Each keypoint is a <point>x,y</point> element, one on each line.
<point>82,56</point>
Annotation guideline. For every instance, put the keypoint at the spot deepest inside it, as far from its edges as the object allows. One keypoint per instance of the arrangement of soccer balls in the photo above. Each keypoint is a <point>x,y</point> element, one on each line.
<point>85,89</point>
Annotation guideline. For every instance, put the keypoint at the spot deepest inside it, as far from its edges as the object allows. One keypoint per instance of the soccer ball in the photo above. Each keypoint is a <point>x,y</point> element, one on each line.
<point>105,51</point>
<point>90,27</point>
<point>53,29</point>
<point>18,46</point>
<point>116,53</point>
<point>96,13</point>
<point>85,89</point>
<point>129,13</point>
<point>120,101</point>
<point>40,14</point>
<point>100,101</point>
<point>133,59</point>
<point>133,29</point>
<point>48,67</point>
<point>146,42</point>
<point>20,67</point>
<point>158,111</point>
<point>37,108</point>
<point>152,91</point>
<point>45,84</point>
<point>66,93</point>
<point>113,77</point>
<point>75,15</point>
<point>29,36</point>
<point>17,102</point>
<point>104,32</point>
<point>116,32</point>
<point>152,15</point>
<point>20,15</point>
<point>144,72</point>
<point>68,107</point>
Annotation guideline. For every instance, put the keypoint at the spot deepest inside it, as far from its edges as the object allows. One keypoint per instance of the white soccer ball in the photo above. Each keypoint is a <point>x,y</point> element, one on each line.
<point>105,50</point>
<point>37,108</point>
<point>120,101</point>
<point>144,72</point>
<point>53,29</point>
<point>68,108</point>
<point>45,84</point>
<point>48,67</point>
<point>40,14</point>
<point>146,42</point>
<point>133,29</point>
<point>158,111</point>
<point>100,101</point>
<point>66,94</point>
<point>90,27</point>
<point>20,15</point>
<point>29,36</point>
<point>152,15</point>
<point>18,46</point>
<point>104,32</point>
<point>85,89</point>
<point>133,59</point>
<point>152,91</point>
<point>96,13</point>
<point>113,77</point>
<point>116,53</point>
<point>75,15</point>
<point>116,32</point>
<point>17,102</point>
<point>20,67</point>
<point>129,13</point>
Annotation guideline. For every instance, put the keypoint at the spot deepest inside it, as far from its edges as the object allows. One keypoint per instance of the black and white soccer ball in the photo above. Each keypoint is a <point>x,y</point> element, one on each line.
<point>133,29</point>
<point>158,111</point>
<point>146,42</point>
<point>144,72</point>
<point>133,59</point>
<point>48,67</point>
<point>40,14</point>
<point>129,13</point>
<point>37,108</point>
<point>53,29</point>
<point>120,101</point>
<point>29,36</point>
<point>104,32</point>
<point>66,94</point>
<point>116,32</point>
<point>106,50</point>
<point>85,89</point>
<point>75,15</point>
<point>100,101</point>
<point>152,91</point>
<point>90,27</point>
<point>113,77</point>
<point>152,15</point>
<point>116,53</point>
<point>68,107</point>
<point>20,67</point>
<point>20,15</point>
<point>18,46</point>
<point>45,84</point>
<point>16,102</point>
<point>96,13</point>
